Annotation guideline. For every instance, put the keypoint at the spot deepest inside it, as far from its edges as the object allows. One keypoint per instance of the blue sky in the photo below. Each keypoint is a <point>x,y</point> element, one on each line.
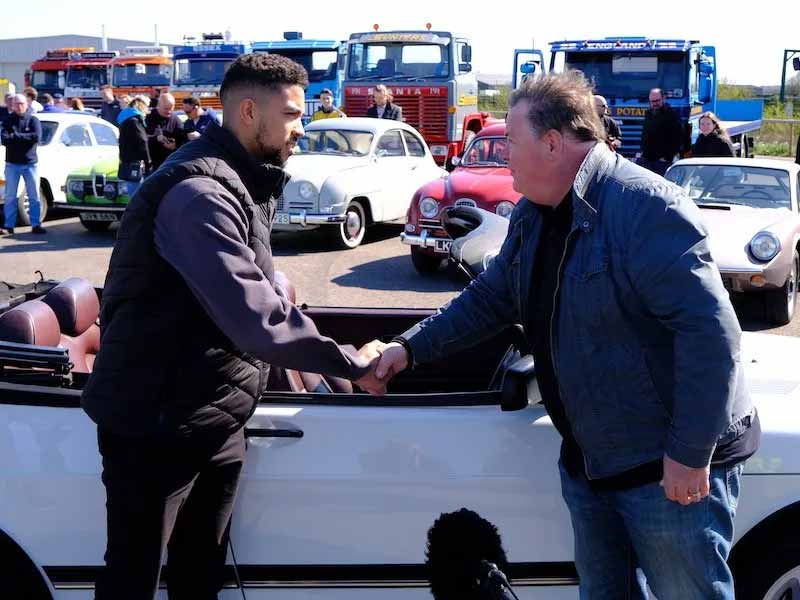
<point>749,43</point>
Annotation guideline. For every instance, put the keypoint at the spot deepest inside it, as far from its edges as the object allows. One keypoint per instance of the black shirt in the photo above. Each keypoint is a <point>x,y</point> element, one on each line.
<point>170,127</point>
<point>543,304</point>
<point>712,144</point>
<point>21,137</point>
<point>612,128</point>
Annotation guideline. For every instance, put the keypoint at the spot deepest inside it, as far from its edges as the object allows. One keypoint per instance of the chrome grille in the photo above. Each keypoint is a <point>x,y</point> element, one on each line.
<point>466,202</point>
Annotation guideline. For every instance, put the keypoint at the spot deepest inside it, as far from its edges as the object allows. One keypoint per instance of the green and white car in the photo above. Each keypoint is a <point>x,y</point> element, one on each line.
<point>95,193</point>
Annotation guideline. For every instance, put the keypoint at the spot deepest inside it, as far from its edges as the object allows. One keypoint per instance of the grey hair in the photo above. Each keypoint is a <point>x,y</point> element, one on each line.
<point>563,102</point>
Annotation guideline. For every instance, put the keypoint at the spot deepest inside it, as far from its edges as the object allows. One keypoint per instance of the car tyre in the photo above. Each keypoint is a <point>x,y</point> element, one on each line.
<point>780,304</point>
<point>425,264</point>
<point>350,234</point>
<point>23,207</point>
<point>772,574</point>
<point>95,226</point>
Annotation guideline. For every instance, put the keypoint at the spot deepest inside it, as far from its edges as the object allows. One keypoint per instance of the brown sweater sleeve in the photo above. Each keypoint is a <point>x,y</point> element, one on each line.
<point>201,232</point>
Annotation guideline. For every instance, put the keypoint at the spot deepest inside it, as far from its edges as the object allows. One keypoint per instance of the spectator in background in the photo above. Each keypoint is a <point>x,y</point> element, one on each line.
<point>47,102</point>
<point>164,130</point>
<point>327,110</point>
<point>110,108</point>
<point>32,95</point>
<point>125,101</point>
<point>155,98</point>
<point>134,154</point>
<point>21,134</point>
<point>613,135</point>
<point>198,118</point>
<point>76,104</point>
<point>383,107</point>
<point>662,134</point>
<point>713,139</point>
<point>7,109</point>
<point>58,102</point>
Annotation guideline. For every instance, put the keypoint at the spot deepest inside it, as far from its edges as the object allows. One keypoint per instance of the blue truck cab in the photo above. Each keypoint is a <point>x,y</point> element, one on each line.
<point>625,69</point>
<point>323,59</point>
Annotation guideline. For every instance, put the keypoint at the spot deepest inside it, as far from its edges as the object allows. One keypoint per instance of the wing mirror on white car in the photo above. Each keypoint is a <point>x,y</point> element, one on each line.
<point>514,390</point>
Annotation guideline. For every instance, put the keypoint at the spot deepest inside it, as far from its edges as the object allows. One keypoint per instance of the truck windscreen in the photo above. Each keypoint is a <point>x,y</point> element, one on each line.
<point>399,61</point>
<point>45,79</point>
<point>631,76</point>
<point>200,72</point>
<point>87,77</point>
<point>141,74</point>
<point>320,64</point>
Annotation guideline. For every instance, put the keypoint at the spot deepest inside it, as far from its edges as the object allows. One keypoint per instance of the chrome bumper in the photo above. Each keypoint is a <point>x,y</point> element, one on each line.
<point>304,219</point>
<point>93,208</point>
<point>423,240</point>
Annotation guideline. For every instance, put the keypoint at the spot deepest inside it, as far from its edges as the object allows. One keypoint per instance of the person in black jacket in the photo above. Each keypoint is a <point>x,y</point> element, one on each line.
<point>134,154</point>
<point>110,109</point>
<point>383,107</point>
<point>662,134</point>
<point>164,130</point>
<point>713,139</point>
<point>20,134</point>
<point>613,134</point>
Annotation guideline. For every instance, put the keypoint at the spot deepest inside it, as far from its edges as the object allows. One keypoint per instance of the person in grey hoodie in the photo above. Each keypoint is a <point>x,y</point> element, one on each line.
<point>134,154</point>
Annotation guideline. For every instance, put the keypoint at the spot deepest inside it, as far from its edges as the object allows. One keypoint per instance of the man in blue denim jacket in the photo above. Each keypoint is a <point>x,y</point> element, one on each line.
<point>636,345</point>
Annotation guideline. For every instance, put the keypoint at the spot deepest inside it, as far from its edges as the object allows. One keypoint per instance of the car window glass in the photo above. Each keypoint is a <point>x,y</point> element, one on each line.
<point>757,187</point>
<point>414,144</point>
<point>76,135</point>
<point>49,129</point>
<point>104,134</point>
<point>391,144</point>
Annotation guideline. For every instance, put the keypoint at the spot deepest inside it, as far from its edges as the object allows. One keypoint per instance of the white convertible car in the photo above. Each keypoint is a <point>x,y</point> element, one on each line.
<point>350,173</point>
<point>70,140</point>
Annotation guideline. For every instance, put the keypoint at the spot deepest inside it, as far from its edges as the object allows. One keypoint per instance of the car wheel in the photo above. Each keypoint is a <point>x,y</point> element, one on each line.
<point>773,575</point>
<point>95,226</point>
<point>780,304</point>
<point>350,234</point>
<point>24,207</point>
<point>425,264</point>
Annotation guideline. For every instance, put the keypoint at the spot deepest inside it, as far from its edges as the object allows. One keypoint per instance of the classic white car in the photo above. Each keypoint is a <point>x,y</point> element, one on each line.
<point>70,140</point>
<point>751,209</point>
<point>339,489</point>
<point>350,173</point>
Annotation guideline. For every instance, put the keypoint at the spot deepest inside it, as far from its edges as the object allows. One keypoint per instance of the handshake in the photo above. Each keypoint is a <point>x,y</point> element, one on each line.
<point>385,361</point>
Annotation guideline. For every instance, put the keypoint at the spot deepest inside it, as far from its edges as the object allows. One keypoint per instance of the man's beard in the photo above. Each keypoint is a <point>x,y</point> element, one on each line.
<point>264,153</point>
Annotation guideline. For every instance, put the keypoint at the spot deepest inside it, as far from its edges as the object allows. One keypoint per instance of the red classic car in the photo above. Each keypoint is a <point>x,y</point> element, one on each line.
<point>481,178</point>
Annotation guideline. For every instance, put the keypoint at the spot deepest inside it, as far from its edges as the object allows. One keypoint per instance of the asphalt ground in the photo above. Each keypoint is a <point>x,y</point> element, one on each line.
<point>378,273</point>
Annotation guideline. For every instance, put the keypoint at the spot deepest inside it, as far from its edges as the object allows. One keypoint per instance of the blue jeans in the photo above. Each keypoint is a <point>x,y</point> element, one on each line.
<point>31,178</point>
<point>625,540</point>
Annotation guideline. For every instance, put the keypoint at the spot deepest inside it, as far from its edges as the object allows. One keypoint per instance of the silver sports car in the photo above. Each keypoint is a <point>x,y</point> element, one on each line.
<point>750,210</point>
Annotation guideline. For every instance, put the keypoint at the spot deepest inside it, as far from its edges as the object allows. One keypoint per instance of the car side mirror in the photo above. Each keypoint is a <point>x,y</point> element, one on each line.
<point>455,161</point>
<point>381,153</point>
<point>514,390</point>
<point>796,63</point>
<point>465,68</point>
<point>466,53</point>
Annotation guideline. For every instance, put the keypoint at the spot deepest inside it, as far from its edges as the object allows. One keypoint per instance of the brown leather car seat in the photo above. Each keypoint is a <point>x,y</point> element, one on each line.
<point>32,322</point>
<point>76,306</point>
<point>299,381</point>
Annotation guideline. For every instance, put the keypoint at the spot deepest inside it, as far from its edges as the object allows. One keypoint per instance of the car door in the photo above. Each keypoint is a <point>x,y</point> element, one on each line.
<point>394,171</point>
<point>75,149</point>
<point>338,493</point>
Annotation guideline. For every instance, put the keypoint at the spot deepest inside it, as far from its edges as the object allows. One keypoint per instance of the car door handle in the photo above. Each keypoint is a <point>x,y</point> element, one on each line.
<point>269,432</point>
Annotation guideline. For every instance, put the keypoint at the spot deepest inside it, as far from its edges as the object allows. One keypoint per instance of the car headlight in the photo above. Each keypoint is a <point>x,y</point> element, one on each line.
<point>307,190</point>
<point>504,208</point>
<point>429,208</point>
<point>76,187</point>
<point>122,186</point>
<point>765,246</point>
<point>110,191</point>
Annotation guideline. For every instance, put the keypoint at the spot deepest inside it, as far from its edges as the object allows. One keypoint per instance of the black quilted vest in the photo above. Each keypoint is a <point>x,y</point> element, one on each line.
<point>163,363</point>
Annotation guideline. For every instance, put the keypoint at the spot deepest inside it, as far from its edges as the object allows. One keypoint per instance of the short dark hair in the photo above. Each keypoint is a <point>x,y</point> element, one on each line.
<point>266,71</point>
<point>46,98</point>
<point>561,101</point>
<point>106,86</point>
<point>326,91</point>
<point>191,101</point>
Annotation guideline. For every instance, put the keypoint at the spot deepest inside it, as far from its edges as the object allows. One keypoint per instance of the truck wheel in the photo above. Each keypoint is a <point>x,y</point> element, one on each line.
<point>350,234</point>
<point>771,575</point>
<point>24,208</point>
<point>425,264</point>
<point>780,304</point>
<point>95,226</point>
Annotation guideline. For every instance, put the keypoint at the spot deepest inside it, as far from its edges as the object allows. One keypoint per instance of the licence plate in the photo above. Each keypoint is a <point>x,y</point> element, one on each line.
<point>94,216</point>
<point>282,218</point>
<point>442,246</point>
